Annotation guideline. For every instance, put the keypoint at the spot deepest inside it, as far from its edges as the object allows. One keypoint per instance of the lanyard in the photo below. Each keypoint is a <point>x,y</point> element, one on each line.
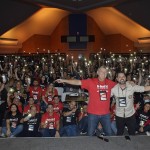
<point>123,95</point>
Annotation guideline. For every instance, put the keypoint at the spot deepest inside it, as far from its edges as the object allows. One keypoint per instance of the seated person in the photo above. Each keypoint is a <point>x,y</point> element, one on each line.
<point>47,96</point>
<point>30,104</point>
<point>143,119</point>
<point>69,120</point>
<point>83,119</point>
<point>13,122</point>
<point>31,123</point>
<point>19,104</point>
<point>58,106</point>
<point>50,123</point>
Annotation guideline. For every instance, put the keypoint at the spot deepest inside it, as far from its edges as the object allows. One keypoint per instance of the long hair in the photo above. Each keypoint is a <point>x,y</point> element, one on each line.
<point>17,111</point>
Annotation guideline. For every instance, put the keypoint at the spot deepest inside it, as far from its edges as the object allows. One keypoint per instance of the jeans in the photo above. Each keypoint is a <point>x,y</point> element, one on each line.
<point>93,121</point>
<point>48,132</point>
<point>114,127</point>
<point>14,131</point>
<point>83,124</point>
<point>70,130</point>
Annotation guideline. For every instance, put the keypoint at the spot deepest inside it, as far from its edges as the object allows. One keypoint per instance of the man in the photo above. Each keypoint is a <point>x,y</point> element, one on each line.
<point>70,115</point>
<point>58,106</point>
<point>31,123</point>
<point>50,123</point>
<point>99,100</point>
<point>35,91</point>
<point>31,104</point>
<point>143,120</point>
<point>83,119</point>
<point>3,102</point>
<point>123,93</point>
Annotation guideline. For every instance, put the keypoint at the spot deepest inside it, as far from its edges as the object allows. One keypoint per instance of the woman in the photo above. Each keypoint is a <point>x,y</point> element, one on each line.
<point>47,96</point>
<point>13,122</point>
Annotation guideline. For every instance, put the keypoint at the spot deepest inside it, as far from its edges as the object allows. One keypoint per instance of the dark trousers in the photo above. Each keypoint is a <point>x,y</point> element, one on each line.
<point>2,112</point>
<point>130,122</point>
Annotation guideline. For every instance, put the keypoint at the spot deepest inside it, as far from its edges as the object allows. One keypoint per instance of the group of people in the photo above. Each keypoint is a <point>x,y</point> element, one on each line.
<point>30,105</point>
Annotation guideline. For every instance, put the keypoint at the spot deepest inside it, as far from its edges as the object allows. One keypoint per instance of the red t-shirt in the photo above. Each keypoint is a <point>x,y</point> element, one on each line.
<point>27,108</point>
<point>58,107</point>
<point>99,95</point>
<point>20,108</point>
<point>49,96</point>
<point>35,93</point>
<point>50,120</point>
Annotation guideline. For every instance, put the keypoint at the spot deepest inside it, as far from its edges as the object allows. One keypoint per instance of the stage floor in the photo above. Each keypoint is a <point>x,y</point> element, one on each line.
<point>76,143</point>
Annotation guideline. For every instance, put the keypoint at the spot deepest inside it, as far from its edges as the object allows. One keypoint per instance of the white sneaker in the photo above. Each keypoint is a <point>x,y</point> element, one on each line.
<point>3,135</point>
<point>148,133</point>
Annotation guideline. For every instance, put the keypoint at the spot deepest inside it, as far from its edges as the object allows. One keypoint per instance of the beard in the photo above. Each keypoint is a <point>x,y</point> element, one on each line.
<point>122,82</point>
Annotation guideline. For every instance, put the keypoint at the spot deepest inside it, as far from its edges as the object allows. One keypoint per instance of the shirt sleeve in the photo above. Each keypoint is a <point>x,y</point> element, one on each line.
<point>138,88</point>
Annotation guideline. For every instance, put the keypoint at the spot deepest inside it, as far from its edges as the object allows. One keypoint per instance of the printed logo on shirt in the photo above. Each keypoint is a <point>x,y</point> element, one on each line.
<point>102,88</point>
<point>68,119</point>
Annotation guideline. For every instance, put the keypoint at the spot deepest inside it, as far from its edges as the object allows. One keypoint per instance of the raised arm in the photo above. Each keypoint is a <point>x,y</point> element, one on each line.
<point>147,88</point>
<point>72,82</point>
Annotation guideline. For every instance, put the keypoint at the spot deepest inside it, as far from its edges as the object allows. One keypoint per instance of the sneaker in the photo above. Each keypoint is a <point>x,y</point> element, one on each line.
<point>148,133</point>
<point>83,133</point>
<point>3,135</point>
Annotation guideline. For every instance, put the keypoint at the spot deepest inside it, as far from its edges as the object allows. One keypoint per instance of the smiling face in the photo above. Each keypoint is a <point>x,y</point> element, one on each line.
<point>121,78</point>
<point>102,73</point>
<point>13,108</point>
<point>50,108</point>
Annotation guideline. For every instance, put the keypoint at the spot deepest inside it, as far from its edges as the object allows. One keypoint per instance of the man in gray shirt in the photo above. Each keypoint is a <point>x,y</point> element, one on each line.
<point>123,94</point>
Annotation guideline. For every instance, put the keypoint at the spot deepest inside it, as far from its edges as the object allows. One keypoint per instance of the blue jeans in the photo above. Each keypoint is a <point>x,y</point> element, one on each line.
<point>93,121</point>
<point>83,124</point>
<point>70,130</point>
<point>14,131</point>
<point>48,132</point>
<point>114,127</point>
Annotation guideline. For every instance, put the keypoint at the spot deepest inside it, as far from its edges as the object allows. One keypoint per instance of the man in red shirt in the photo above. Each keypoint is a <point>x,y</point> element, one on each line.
<point>99,100</point>
<point>30,104</point>
<point>35,91</point>
<point>50,123</point>
<point>58,106</point>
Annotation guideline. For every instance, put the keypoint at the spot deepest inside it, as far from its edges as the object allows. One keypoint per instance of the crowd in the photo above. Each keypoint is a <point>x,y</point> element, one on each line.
<point>30,105</point>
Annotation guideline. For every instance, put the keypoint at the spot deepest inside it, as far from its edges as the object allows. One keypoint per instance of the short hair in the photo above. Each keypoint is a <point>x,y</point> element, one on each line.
<point>119,73</point>
<point>50,104</point>
<point>102,67</point>
<point>55,96</point>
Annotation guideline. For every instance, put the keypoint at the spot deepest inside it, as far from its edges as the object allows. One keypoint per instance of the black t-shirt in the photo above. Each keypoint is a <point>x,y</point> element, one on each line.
<point>3,95</point>
<point>143,116</point>
<point>70,120</point>
<point>32,125</point>
<point>14,119</point>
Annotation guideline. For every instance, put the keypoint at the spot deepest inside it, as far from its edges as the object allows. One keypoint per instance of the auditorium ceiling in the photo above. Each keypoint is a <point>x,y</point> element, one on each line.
<point>20,19</point>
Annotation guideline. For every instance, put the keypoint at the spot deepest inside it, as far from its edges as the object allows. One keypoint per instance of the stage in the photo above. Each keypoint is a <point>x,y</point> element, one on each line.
<point>76,143</point>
